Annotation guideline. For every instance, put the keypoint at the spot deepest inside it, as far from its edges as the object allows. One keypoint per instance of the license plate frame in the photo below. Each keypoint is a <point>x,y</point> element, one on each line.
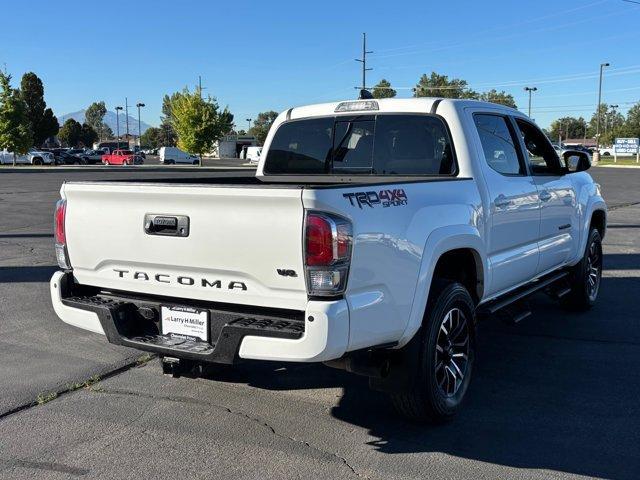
<point>184,322</point>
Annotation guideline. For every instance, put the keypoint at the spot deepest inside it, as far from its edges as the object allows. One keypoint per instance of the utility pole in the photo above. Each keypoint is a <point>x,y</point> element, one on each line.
<point>602,65</point>
<point>126,117</point>
<point>200,87</point>
<point>530,90</point>
<point>613,118</point>
<point>139,105</point>
<point>118,126</point>
<point>363,61</point>
<point>249,127</point>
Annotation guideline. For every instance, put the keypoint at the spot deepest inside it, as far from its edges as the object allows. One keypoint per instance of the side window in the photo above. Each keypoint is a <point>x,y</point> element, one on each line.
<point>543,159</point>
<point>498,144</point>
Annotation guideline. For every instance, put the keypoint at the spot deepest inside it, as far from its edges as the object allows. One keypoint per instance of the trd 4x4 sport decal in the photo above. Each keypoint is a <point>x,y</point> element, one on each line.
<point>386,198</point>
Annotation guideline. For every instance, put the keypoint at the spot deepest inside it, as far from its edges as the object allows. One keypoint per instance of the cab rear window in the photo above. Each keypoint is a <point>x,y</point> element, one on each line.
<point>363,145</point>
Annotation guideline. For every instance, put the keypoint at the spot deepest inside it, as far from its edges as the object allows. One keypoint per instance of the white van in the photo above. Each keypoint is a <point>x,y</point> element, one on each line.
<point>253,154</point>
<point>171,155</point>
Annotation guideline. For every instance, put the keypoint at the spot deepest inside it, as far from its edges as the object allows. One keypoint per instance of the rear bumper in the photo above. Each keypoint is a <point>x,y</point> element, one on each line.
<point>319,334</point>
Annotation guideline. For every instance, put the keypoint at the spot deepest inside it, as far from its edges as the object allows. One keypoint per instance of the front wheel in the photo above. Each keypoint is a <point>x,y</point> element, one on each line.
<point>586,275</point>
<point>444,357</point>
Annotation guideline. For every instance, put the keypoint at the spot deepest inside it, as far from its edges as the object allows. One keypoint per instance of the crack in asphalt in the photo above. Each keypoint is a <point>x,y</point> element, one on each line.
<point>623,205</point>
<point>259,421</point>
<point>69,388</point>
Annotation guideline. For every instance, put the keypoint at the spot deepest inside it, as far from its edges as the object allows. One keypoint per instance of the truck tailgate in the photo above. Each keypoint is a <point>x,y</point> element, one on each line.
<point>238,240</point>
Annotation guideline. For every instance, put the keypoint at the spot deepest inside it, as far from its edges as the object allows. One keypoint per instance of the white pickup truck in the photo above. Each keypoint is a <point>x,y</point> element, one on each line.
<point>372,237</point>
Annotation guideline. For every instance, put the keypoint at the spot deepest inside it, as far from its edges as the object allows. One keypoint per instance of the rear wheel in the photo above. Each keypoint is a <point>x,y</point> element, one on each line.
<point>586,275</point>
<point>196,162</point>
<point>106,162</point>
<point>37,161</point>
<point>444,356</point>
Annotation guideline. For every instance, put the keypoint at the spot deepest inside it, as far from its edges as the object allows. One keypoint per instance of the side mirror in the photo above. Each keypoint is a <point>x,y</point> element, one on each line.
<point>576,161</point>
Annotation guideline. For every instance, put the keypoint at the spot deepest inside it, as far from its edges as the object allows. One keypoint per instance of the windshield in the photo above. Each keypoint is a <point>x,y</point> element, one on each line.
<point>408,144</point>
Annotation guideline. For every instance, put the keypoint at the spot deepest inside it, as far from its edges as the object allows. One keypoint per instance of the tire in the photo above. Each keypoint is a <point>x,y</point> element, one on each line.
<point>444,365</point>
<point>125,163</point>
<point>37,161</point>
<point>106,162</point>
<point>196,162</point>
<point>586,276</point>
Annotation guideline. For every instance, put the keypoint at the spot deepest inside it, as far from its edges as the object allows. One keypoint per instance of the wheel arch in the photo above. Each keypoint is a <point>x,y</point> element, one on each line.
<point>454,252</point>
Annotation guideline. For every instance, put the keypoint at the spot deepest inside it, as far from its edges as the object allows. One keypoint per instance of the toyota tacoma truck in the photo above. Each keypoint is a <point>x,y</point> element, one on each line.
<point>373,236</point>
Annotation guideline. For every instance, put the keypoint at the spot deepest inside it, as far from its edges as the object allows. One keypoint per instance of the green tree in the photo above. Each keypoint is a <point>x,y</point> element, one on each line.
<point>32,92</point>
<point>568,127</point>
<point>383,90</point>
<point>94,117</point>
<point>502,98</point>
<point>15,134</point>
<point>88,135</point>
<point>152,138</point>
<point>631,126</point>
<point>166,121</point>
<point>50,124</point>
<point>262,124</point>
<point>436,85</point>
<point>198,122</point>
<point>612,124</point>
<point>71,133</point>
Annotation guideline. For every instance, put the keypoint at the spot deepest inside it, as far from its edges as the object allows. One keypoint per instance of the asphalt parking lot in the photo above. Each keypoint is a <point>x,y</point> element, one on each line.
<point>556,396</point>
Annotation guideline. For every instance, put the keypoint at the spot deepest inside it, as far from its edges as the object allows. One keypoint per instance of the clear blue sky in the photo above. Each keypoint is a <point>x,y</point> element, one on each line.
<point>256,56</point>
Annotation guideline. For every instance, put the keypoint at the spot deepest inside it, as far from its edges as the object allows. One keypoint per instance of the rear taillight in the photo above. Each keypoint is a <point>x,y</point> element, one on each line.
<point>60,235</point>
<point>328,240</point>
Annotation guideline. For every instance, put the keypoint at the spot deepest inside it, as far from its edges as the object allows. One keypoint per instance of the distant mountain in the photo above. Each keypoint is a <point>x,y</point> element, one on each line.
<point>110,119</point>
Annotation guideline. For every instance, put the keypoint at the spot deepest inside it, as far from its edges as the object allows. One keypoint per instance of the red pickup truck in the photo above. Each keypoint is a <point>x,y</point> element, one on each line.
<point>122,157</point>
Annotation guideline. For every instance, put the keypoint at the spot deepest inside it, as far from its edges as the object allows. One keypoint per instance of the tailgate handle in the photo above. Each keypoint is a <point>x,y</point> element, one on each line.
<point>166,225</point>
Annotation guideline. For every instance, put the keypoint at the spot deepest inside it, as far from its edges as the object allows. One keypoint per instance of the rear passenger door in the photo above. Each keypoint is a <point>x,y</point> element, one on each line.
<point>559,222</point>
<point>512,239</point>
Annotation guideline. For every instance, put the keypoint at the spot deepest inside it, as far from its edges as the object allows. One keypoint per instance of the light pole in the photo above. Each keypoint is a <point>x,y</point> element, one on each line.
<point>602,65</point>
<point>249,127</point>
<point>139,105</point>
<point>118,126</point>
<point>530,90</point>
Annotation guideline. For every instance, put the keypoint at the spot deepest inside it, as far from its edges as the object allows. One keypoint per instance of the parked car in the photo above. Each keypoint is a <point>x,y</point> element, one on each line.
<point>138,151</point>
<point>386,229</point>
<point>253,154</point>
<point>34,157</point>
<point>92,157</point>
<point>122,157</point>
<point>65,158</point>
<point>76,151</point>
<point>172,155</point>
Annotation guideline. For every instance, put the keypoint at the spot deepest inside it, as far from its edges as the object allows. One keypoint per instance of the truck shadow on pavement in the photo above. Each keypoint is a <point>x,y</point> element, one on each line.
<point>559,392</point>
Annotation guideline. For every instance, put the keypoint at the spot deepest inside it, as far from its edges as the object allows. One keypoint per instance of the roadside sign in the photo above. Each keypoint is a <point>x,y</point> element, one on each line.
<point>626,146</point>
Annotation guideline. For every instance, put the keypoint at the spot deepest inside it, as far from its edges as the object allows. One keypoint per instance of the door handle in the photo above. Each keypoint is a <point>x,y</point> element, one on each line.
<point>501,201</point>
<point>544,196</point>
